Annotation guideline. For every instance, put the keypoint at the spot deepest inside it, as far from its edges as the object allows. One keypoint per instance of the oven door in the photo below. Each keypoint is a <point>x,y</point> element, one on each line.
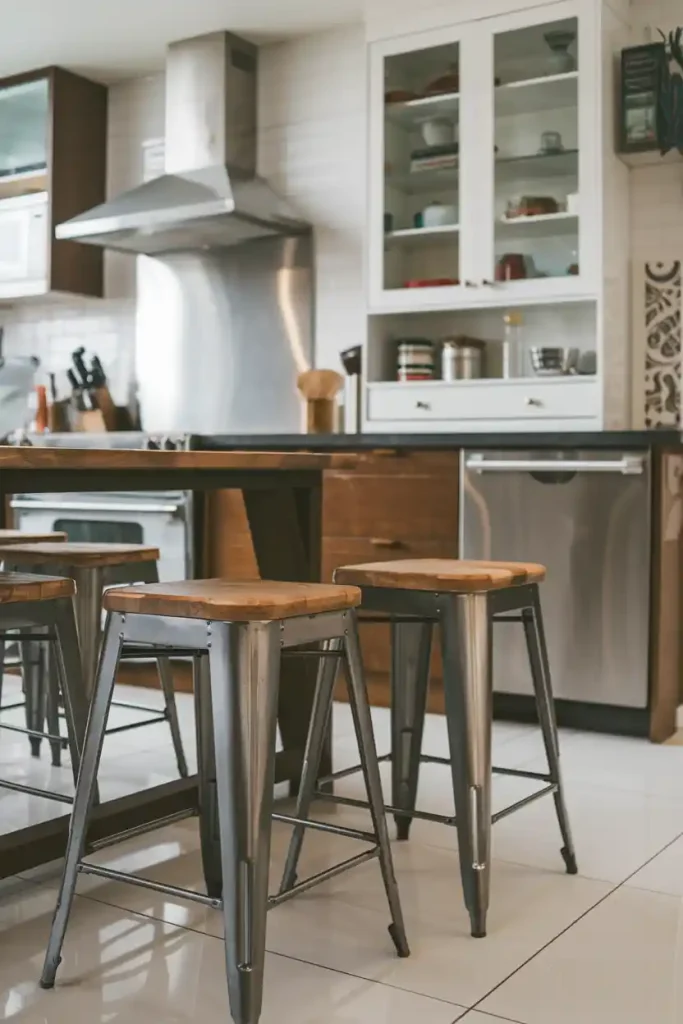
<point>159,520</point>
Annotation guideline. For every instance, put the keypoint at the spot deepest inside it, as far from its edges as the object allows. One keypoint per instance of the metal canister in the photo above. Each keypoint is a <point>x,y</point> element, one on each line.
<point>415,359</point>
<point>460,361</point>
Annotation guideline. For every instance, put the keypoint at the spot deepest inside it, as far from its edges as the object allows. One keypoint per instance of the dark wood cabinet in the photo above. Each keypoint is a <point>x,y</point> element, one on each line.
<point>53,151</point>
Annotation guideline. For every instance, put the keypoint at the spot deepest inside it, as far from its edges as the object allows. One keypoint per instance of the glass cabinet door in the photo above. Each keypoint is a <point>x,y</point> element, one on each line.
<point>421,201</point>
<point>536,197</point>
<point>24,116</point>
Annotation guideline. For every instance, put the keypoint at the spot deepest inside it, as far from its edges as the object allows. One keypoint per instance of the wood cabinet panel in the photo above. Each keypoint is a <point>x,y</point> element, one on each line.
<point>356,550</point>
<point>394,507</point>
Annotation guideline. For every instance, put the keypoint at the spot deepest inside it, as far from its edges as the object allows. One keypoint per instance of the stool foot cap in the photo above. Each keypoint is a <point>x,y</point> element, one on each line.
<point>402,828</point>
<point>35,746</point>
<point>214,889</point>
<point>570,861</point>
<point>399,940</point>
<point>47,984</point>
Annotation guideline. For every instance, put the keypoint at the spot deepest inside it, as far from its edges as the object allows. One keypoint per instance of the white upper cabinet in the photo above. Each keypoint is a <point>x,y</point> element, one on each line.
<point>485,162</point>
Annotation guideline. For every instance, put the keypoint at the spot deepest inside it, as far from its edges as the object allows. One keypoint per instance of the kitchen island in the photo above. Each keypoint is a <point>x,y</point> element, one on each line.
<point>406,498</point>
<point>282,494</point>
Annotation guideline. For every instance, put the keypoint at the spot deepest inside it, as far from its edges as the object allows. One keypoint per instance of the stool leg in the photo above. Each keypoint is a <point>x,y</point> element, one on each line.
<point>362,721</point>
<point>35,707</point>
<point>85,791</point>
<point>48,672</point>
<point>320,715</point>
<point>206,772</point>
<point>411,645</point>
<point>166,682</point>
<point>69,673</point>
<point>2,665</point>
<point>245,672</point>
<point>88,608</point>
<point>540,674</point>
<point>466,641</point>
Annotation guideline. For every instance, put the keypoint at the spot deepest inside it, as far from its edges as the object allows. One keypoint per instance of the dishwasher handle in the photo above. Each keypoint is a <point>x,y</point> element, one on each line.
<point>627,465</point>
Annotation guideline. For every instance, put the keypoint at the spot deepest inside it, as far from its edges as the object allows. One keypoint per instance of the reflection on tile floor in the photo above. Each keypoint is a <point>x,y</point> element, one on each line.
<point>604,947</point>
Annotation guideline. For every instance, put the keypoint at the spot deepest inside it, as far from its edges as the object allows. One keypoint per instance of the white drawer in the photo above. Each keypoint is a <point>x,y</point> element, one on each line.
<point>575,398</point>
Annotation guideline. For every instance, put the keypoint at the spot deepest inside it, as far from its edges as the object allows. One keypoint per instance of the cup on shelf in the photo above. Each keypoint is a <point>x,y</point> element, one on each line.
<point>551,142</point>
<point>438,215</point>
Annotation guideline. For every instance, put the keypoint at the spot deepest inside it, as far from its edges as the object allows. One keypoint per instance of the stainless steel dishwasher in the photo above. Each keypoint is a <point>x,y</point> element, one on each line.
<point>586,516</point>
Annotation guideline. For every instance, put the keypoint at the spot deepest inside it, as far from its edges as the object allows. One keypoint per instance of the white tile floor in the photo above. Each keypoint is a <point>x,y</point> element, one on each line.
<point>605,947</point>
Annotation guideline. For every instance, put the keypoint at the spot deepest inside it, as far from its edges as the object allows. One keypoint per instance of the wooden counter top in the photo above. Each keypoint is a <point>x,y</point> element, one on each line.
<point>123,458</point>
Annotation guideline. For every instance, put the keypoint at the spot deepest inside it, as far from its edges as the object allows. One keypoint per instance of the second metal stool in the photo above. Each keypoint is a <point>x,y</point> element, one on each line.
<point>464,599</point>
<point>45,603</point>
<point>243,628</point>
<point>95,567</point>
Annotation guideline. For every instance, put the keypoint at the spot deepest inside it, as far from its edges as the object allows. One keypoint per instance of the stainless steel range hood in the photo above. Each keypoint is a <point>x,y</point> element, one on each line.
<point>210,196</point>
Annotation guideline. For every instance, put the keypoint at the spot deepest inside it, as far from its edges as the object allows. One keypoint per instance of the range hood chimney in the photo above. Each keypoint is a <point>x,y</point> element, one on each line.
<point>210,196</point>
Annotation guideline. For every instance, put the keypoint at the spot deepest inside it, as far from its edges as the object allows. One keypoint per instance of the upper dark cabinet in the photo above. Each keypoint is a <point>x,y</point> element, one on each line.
<point>53,139</point>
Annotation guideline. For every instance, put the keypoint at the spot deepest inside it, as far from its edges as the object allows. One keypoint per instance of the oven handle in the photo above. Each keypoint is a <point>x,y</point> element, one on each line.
<point>628,465</point>
<point>86,506</point>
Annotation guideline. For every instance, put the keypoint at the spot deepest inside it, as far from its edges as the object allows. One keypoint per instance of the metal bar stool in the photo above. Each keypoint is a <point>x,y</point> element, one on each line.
<point>45,603</point>
<point>465,599</point>
<point>243,628</point>
<point>95,567</point>
<point>11,537</point>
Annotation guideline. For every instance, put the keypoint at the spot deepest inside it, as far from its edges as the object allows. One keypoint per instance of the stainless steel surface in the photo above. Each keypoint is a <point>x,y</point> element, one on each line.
<point>460,362</point>
<point>209,195</point>
<point>222,337</point>
<point>411,644</point>
<point>627,465</point>
<point>59,505</point>
<point>592,531</point>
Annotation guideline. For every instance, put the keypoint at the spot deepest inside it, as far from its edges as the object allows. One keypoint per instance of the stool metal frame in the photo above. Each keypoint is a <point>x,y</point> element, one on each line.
<point>465,622</point>
<point>42,698</point>
<point>236,731</point>
<point>54,624</point>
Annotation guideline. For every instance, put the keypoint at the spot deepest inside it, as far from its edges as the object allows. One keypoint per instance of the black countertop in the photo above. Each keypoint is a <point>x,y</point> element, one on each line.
<point>580,440</point>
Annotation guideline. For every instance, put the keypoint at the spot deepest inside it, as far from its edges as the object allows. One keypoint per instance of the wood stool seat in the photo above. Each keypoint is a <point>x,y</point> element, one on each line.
<point>79,555</point>
<point>24,537</point>
<point>441,574</point>
<point>226,601</point>
<point>17,587</point>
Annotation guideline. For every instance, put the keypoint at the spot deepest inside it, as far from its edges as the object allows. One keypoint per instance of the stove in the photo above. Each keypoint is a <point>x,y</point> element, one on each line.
<point>162,519</point>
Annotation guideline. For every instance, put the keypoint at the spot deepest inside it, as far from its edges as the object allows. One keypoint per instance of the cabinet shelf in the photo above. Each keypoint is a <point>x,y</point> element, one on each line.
<point>437,179</point>
<point>542,165</point>
<point>547,225</point>
<point>410,113</point>
<point>421,236</point>
<point>533,95</point>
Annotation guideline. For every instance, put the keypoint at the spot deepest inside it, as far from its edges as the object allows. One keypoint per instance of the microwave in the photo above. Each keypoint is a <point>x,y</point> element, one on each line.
<point>24,245</point>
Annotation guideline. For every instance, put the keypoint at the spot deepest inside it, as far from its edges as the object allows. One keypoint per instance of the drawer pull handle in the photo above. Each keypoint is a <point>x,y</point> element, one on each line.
<point>423,405</point>
<point>533,401</point>
<point>385,542</point>
<point>488,284</point>
<point>471,284</point>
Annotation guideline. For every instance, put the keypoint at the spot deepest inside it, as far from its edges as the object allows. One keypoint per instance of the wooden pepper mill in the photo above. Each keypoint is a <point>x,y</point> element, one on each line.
<point>320,389</point>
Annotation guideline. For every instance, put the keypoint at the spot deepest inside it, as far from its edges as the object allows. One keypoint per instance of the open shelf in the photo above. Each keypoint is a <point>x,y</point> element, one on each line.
<point>547,225</point>
<point>418,236</point>
<point>532,95</point>
<point>542,165</point>
<point>410,113</point>
<point>437,179</point>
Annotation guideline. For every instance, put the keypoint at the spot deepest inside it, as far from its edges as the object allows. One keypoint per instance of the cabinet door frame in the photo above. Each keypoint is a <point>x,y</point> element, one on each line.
<point>381,299</point>
<point>587,283</point>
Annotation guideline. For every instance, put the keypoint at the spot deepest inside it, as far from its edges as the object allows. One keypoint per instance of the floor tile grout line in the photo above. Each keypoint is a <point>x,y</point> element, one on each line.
<point>564,931</point>
<point>273,952</point>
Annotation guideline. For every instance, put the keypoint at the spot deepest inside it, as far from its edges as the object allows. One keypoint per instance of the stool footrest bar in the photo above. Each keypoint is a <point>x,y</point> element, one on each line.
<point>552,788</point>
<point>47,794</point>
<point>323,876</point>
<point>323,826</point>
<point>147,883</point>
<point>140,830</point>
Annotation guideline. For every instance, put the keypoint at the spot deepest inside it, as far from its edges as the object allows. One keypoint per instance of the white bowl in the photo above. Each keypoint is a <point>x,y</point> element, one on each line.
<point>438,132</point>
